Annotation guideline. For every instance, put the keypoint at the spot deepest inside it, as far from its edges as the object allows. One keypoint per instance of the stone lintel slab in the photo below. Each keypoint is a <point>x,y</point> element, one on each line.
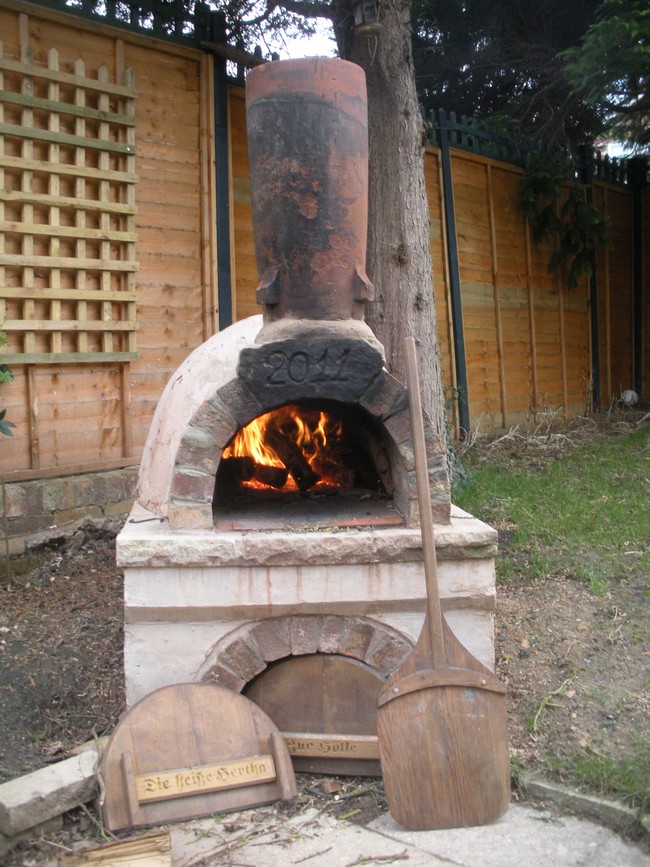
<point>146,540</point>
<point>350,588</point>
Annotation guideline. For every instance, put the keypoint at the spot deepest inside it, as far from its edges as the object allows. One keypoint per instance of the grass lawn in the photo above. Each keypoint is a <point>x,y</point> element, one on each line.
<point>584,512</point>
<point>573,510</point>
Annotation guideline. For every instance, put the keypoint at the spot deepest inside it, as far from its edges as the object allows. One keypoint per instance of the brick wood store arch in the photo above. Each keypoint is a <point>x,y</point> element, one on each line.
<point>245,653</point>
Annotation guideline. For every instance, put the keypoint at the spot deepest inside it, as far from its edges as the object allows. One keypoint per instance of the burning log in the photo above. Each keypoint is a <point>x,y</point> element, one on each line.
<point>292,457</point>
<point>274,477</point>
<point>334,471</point>
<point>234,471</point>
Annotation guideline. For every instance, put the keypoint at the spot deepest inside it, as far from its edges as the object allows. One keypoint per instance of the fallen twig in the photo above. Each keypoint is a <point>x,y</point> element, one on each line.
<point>363,789</point>
<point>103,832</point>
<point>546,701</point>
<point>379,859</point>
<point>226,848</point>
<point>55,845</point>
<point>315,855</point>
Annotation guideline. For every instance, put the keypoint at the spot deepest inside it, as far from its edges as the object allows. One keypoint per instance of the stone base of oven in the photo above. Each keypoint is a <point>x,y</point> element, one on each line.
<point>219,607</point>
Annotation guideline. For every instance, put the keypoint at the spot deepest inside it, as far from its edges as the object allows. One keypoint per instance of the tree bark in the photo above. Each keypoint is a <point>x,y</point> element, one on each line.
<point>399,253</point>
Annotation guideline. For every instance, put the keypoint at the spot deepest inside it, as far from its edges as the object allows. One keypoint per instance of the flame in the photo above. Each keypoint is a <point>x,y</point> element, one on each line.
<point>249,442</point>
<point>307,430</point>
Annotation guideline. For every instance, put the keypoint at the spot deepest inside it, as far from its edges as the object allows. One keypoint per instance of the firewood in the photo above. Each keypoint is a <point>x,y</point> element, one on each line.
<point>233,471</point>
<point>334,471</point>
<point>275,477</point>
<point>145,851</point>
<point>293,459</point>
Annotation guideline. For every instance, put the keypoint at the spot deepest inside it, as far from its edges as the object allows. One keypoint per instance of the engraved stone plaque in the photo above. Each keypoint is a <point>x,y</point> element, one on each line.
<point>292,370</point>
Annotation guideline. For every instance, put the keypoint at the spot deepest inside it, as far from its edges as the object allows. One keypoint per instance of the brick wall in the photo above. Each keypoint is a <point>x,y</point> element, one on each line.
<point>37,512</point>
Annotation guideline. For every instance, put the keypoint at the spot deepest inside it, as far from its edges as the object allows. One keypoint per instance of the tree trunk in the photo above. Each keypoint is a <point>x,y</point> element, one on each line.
<point>399,255</point>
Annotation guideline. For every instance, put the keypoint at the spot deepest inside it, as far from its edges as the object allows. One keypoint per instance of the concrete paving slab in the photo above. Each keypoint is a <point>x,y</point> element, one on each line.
<point>523,837</point>
<point>267,837</point>
<point>311,838</point>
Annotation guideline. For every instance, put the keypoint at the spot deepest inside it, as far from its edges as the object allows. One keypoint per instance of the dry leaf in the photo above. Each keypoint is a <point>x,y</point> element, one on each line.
<point>331,786</point>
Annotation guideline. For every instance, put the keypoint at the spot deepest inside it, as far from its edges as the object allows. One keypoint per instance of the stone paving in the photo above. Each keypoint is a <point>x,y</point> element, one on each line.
<point>525,835</point>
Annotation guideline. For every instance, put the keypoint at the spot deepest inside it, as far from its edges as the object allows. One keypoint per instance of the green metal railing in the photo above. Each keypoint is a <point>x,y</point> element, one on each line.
<point>479,137</point>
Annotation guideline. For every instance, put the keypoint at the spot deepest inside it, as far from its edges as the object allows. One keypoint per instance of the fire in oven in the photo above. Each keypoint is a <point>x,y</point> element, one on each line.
<point>303,450</point>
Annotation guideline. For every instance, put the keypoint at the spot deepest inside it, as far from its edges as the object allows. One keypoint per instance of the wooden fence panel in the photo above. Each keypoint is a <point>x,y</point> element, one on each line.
<point>14,398</point>
<point>438,243</point>
<point>526,335</point>
<point>79,413</point>
<point>547,314</point>
<point>508,253</point>
<point>615,293</point>
<point>110,405</point>
<point>244,266</point>
<point>603,291</point>
<point>474,234</point>
<point>577,340</point>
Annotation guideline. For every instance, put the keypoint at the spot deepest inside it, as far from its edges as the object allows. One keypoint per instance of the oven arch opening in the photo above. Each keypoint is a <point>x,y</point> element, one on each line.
<point>318,460</point>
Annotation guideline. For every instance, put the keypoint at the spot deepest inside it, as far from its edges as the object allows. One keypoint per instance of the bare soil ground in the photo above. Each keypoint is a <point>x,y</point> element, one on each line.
<point>575,665</point>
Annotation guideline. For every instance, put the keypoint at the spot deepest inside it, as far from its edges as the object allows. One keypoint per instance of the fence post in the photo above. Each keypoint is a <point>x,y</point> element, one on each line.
<point>221,173</point>
<point>588,158</point>
<point>638,179</point>
<point>454,276</point>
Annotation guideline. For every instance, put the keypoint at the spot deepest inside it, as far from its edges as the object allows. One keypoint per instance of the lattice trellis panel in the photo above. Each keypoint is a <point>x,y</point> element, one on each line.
<point>67,213</point>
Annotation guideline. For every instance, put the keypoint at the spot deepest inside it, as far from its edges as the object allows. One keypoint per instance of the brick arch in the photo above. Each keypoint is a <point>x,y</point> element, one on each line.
<point>245,652</point>
<point>196,462</point>
<point>218,418</point>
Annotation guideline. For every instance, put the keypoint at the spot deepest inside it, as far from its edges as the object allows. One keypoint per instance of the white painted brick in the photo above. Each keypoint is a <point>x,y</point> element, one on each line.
<point>161,654</point>
<point>185,591</point>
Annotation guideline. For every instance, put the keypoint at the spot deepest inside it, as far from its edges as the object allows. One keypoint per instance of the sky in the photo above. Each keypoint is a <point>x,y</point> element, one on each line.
<point>319,45</point>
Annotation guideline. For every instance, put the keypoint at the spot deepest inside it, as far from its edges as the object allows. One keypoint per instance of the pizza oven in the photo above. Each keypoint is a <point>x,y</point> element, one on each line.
<point>304,423</point>
<point>277,515</point>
